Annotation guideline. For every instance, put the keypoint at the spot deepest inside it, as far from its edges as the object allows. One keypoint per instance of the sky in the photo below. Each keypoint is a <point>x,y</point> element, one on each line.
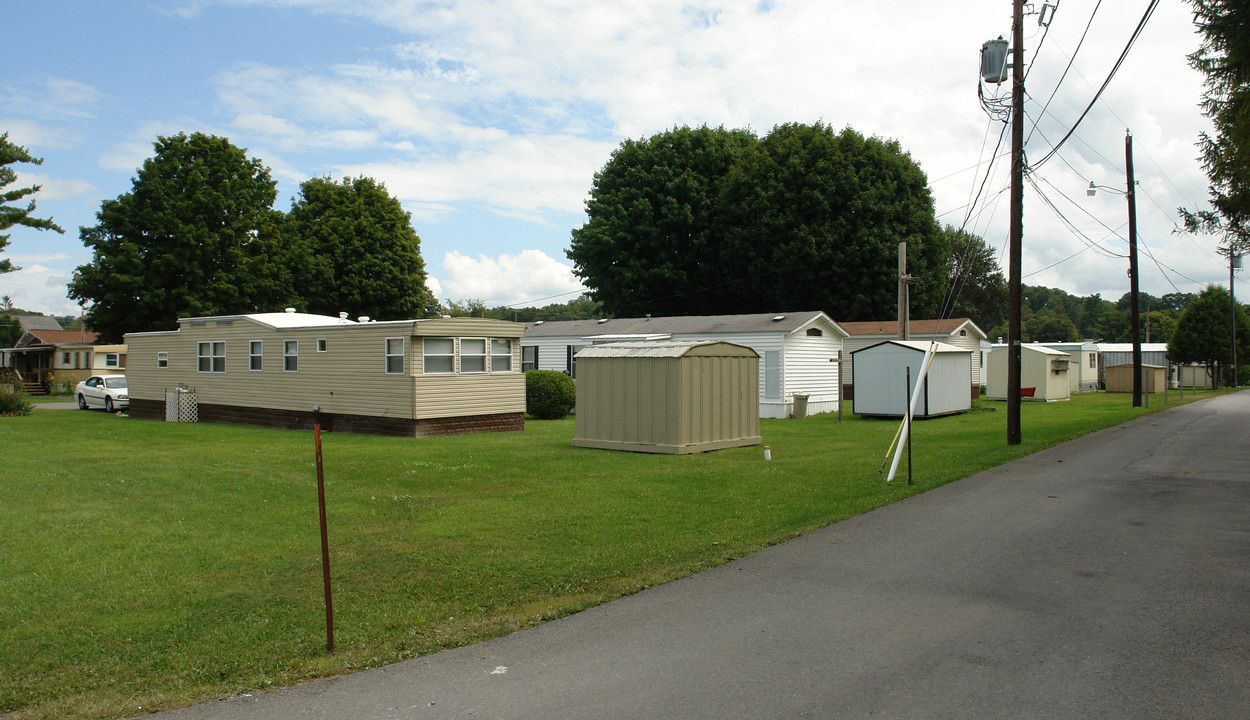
<point>489,120</point>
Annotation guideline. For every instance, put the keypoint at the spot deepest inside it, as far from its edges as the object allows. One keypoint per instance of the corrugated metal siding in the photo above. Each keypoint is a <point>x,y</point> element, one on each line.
<point>666,402</point>
<point>761,343</point>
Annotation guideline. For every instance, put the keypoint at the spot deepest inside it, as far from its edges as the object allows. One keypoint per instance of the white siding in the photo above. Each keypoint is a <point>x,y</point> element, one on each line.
<point>812,369</point>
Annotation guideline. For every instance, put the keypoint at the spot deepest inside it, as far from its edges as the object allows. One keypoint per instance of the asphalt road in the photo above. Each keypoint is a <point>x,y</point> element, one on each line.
<point>1106,578</point>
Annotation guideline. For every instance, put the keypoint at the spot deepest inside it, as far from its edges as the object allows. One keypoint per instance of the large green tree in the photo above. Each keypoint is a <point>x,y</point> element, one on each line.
<point>197,235</point>
<point>17,214</point>
<point>977,288</point>
<point>352,248</point>
<point>651,239</point>
<point>812,219</point>
<point>1203,334</point>
<point>1224,59</point>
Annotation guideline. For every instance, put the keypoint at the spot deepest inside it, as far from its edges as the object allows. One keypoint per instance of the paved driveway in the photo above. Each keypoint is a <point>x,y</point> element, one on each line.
<point>1107,578</point>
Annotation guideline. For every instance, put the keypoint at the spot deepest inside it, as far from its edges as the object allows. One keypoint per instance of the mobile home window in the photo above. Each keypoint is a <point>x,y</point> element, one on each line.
<point>111,359</point>
<point>529,358</point>
<point>65,359</point>
<point>162,359</point>
<point>473,355</point>
<point>290,355</point>
<point>211,357</point>
<point>395,355</point>
<point>1093,360</point>
<point>500,355</point>
<point>322,345</point>
<point>256,355</point>
<point>772,374</point>
<point>439,355</point>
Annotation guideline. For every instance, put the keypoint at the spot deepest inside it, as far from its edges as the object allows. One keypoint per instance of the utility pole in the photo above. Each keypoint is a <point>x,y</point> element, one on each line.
<point>1017,223</point>
<point>1233,261</point>
<point>1135,311</point>
<point>904,311</point>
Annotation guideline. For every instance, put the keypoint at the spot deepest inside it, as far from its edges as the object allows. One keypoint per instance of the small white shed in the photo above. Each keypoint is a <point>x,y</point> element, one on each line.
<point>882,373</point>
<point>1043,374</point>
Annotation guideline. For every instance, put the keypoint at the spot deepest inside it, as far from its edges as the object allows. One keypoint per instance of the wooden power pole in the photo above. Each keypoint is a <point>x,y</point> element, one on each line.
<point>1017,223</point>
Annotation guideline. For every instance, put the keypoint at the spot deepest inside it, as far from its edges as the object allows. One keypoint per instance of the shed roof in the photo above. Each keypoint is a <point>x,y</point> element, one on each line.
<point>668,349</point>
<point>918,346</point>
<point>889,328</point>
<point>787,322</point>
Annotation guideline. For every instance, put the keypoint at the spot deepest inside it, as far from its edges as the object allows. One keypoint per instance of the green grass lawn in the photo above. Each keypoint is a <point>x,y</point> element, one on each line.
<point>148,565</point>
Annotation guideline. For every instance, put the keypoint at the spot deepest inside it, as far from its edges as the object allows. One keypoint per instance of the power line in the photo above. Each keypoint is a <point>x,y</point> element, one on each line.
<point>1118,63</point>
<point>1065,70</point>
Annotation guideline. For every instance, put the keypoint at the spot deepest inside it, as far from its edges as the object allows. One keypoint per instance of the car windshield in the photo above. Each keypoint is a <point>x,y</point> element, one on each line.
<point>115,382</point>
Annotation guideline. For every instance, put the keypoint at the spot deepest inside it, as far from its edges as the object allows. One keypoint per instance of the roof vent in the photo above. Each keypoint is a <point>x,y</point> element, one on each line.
<point>779,318</point>
<point>648,317</point>
<point>363,319</point>
<point>602,320</point>
<point>342,316</point>
<point>539,322</point>
<point>289,310</point>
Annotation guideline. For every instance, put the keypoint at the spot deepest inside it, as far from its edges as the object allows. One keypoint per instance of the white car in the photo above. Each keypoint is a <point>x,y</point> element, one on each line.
<point>106,391</point>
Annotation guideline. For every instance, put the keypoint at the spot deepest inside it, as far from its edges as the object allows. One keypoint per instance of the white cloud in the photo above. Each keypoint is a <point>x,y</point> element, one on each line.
<point>51,188</point>
<point>529,277</point>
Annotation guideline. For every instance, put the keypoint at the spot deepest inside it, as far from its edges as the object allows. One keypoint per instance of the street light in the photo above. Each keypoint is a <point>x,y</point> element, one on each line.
<point>1135,315</point>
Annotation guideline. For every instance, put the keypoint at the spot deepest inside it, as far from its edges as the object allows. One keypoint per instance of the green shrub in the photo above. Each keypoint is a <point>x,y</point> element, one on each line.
<point>549,395</point>
<point>14,402</point>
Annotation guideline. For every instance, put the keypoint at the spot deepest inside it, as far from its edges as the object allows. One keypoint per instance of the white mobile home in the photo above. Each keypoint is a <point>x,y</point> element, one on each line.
<point>799,351</point>
<point>886,375</point>
<point>409,377</point>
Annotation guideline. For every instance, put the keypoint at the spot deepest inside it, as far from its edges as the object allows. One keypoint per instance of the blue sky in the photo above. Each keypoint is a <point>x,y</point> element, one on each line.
<point>488,120</point>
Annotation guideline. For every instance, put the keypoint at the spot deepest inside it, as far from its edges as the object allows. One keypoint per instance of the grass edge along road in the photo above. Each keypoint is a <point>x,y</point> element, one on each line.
<point>151,565</point>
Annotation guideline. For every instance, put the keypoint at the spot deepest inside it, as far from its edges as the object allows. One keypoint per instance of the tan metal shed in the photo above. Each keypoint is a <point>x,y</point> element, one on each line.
<point>673,397</point>
<point>1120,378</point>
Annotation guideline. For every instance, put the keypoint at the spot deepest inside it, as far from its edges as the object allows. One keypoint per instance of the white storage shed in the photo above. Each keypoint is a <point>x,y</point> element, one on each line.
<point>882,374</point>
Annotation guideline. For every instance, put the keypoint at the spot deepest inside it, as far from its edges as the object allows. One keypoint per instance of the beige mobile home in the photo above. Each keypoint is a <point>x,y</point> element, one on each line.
<point>673,397</point>
<point>1043,374</point>
<point>410,377</point>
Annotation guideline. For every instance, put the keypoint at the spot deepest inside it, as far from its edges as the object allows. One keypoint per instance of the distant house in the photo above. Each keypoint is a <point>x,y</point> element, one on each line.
<point>799,351</point>
<point>959,332</point>
<point>409,377</point>
<point>45,355</point>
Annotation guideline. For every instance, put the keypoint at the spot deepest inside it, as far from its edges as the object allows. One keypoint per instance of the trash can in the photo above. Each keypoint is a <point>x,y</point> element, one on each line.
<point>800,406</point>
